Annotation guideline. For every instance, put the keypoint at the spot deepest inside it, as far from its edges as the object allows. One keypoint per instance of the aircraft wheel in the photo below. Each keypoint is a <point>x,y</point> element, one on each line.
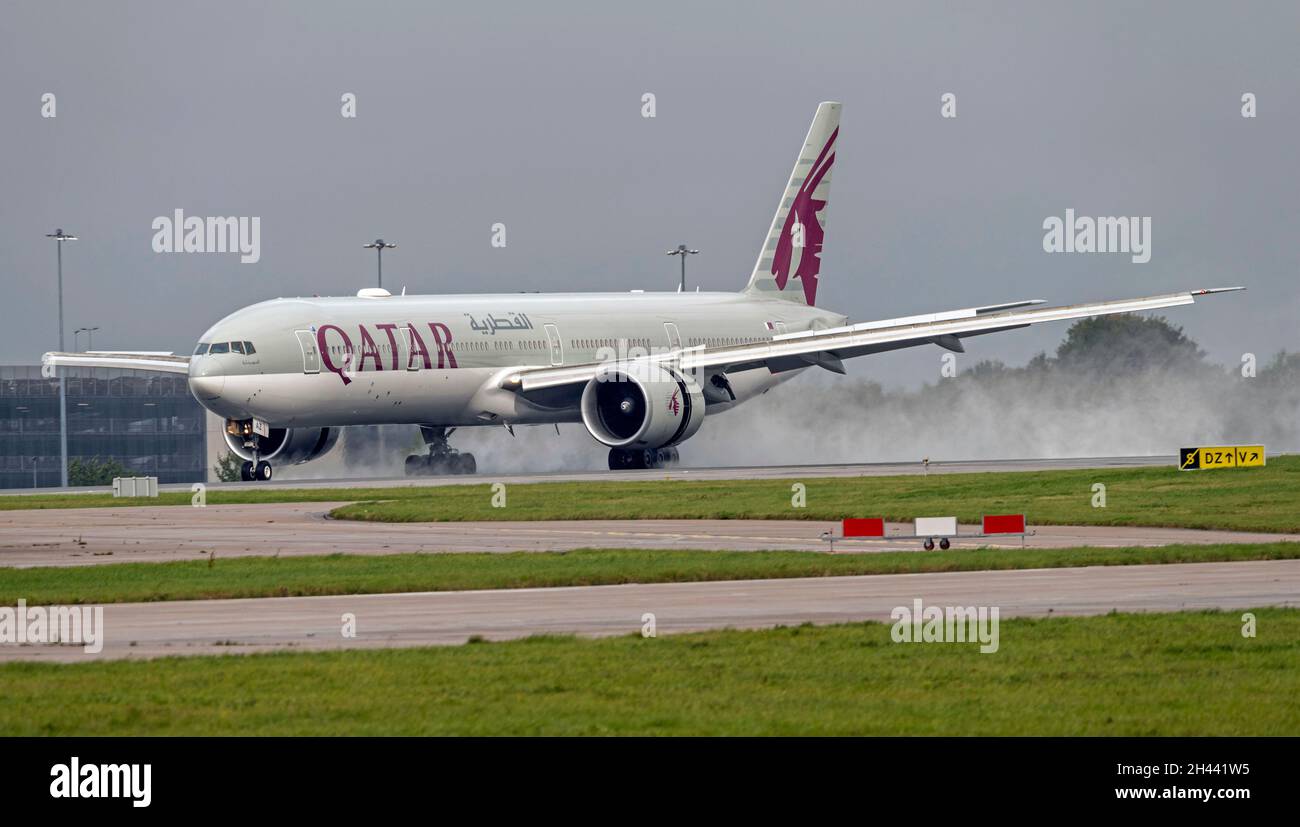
<point>943,544</point>
<point>415,465</point>
<point>465,464</point>
<point>928,545</point>
<point>263,471</point>
<point>438,467</point>
<point>246,472</point>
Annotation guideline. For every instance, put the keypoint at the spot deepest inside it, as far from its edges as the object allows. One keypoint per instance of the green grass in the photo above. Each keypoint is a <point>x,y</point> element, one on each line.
<point>1256,499</point>
<point>1118,674</point>
<point>238,577</point>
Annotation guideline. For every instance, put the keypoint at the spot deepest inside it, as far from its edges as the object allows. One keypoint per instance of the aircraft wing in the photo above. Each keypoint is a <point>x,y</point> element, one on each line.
<point>102,359</point>
<point>826,348</point>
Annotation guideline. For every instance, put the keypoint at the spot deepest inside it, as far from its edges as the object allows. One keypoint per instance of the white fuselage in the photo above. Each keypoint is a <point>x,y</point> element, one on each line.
<point>436,359</point>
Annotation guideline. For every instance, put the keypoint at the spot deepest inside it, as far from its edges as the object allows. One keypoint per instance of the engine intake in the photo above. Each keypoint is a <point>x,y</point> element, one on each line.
<point>288,445</point>
<point>642,406</point>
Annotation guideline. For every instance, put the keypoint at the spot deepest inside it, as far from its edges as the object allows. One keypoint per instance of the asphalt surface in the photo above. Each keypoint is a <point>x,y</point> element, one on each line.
<point>293,477</point>
<point>89,536</point>
<point>143,630</point>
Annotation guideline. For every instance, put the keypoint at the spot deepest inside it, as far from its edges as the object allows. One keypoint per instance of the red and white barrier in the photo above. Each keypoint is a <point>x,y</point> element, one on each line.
<point>930,529</point>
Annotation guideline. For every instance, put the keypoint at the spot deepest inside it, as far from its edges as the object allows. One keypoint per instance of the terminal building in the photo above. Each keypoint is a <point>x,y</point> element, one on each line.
<point>145,420</point>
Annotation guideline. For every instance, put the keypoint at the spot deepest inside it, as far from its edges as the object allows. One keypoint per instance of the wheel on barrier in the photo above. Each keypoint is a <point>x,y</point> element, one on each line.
<point>943,544</point>
<point>928,545</point>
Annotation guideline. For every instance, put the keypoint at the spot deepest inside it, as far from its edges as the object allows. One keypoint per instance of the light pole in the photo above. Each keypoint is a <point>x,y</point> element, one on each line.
<point>683,251</point>
<point>34,459</point>
<point>379,245</point>
<point>90,337</point>
<point>60,236</point>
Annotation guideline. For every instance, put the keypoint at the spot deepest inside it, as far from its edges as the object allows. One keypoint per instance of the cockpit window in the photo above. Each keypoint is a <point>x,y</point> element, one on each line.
<point>219,347</point>
<point>237,347</point>
<point>248,348</point>
<point>201,349</point>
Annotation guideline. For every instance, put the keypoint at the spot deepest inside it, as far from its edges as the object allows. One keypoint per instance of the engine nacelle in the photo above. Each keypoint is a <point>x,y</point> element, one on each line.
<point>289,446</point>
<point>642,405</point>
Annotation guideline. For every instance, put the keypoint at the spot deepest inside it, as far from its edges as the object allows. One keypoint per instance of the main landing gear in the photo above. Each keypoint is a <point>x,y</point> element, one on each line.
<point>260,471</point>
<point>442,458</point>
<point>622,459</point>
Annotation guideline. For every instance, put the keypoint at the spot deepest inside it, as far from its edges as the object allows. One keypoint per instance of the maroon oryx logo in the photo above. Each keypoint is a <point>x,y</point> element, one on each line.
<point>804,211</point>
<point>675,403</point>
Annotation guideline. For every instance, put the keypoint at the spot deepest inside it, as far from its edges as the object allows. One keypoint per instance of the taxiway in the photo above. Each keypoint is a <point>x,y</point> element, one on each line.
<point>198,627</point>
<point>89,536</point>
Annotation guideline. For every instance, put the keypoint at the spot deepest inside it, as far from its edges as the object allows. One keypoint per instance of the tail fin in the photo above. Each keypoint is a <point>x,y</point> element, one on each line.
<point>793,247</point>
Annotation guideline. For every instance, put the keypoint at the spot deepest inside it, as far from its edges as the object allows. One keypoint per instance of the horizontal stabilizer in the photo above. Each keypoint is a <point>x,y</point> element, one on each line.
<point>165,362</point>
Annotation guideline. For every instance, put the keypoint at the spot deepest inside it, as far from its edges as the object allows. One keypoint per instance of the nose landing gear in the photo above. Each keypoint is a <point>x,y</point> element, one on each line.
<point>248,430</point>
<point>260,471</point>
<point>442,458</point>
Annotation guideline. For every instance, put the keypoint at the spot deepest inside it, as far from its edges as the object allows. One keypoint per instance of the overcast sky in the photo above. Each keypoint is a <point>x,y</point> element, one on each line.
<point>530,114</point>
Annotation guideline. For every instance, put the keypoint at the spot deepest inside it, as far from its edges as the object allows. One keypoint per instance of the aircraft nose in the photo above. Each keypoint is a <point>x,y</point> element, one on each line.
<point>207,387</point>
<point>205,382</point>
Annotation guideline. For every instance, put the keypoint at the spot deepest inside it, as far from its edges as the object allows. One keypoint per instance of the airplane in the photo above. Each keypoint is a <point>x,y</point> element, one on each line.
<point>640,371</point>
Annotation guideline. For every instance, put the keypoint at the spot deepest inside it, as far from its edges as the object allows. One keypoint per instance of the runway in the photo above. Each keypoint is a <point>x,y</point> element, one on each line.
<point>90,536</point>
<point>315,623</point>
<point>291,477</point>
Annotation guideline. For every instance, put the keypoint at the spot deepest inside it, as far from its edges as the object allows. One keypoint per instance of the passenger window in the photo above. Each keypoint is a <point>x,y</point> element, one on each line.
<point>201,349</point>
<point>237,347</point>
<point>219,347</point>
<point>248,349</point>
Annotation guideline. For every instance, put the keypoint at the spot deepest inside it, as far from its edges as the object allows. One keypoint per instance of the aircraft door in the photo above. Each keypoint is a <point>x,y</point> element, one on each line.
<point>674,336</point>
<point>414,356</point>
<point>310,357</point>
<point>557,346</point>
